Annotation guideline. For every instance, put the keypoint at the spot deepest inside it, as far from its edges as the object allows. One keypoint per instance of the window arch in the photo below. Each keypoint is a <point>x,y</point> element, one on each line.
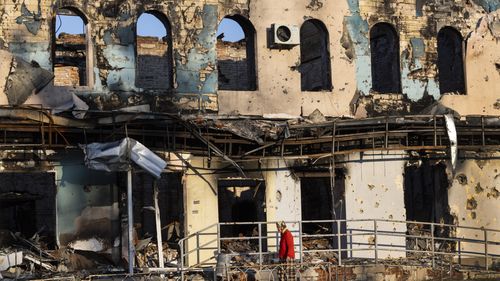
<point>315,67</point>
<point>236,54</point>
<point>154,66</point>
<point>384,48</point>
<point>72,52</point>
<point>450,61</point>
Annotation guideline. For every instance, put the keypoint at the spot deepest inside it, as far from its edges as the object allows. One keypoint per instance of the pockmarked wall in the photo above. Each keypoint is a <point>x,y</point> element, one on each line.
<point>374,190</point>
<point>474,197</point>
<point>26,30</point>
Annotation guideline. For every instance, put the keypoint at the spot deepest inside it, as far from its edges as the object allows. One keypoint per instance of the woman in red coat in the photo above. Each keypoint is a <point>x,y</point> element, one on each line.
<point>286,253</point>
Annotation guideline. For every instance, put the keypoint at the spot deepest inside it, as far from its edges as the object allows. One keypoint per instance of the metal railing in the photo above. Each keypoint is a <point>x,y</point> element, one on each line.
<point>374,241</point>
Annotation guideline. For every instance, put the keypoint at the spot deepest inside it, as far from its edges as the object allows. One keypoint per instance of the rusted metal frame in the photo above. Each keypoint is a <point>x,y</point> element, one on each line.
<point>116,130</point>
<point>216,150</point>
<point>64,138</point>
<point>341,138</point>
<point>258,149</point>
<point>178,155</point>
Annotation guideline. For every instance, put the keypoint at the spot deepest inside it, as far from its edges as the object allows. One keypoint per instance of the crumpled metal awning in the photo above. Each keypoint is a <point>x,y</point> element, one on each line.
<point>117,156</point>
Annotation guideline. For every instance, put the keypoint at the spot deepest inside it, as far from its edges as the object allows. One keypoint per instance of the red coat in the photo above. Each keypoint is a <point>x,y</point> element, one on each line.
<point>286,245</point>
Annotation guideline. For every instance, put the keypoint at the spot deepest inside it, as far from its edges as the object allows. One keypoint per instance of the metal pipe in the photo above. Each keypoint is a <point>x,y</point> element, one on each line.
<point>260,243</point>
<point>159,239</point>
<point>130,214</point>
<point>339,242</point>
<point>300,242</point>
<point>376,242</point>
<point>486,249</point>
<point>432,245</point>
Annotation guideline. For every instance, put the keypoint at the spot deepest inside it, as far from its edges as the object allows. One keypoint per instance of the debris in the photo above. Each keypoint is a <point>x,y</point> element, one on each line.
<point>316,117</point>
<point>320,244</point>
<point>8,260</point>
<point>147,256</point>
<point>92,244</point>
<point>39,262</point>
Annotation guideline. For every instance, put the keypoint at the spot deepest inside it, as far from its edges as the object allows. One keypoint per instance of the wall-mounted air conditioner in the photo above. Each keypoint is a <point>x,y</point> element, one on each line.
<point>283,36</point>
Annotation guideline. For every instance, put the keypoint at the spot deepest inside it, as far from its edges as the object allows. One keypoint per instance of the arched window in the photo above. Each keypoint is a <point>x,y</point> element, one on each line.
<point>384,47</point>
<point>236,54</point>
<point>154,69</point>
<point>315,66</point>
<point>72,53</point>
<point>450,61</point>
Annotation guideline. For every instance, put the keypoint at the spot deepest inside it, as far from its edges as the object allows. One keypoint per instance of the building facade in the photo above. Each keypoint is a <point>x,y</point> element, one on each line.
<point>342,109</point>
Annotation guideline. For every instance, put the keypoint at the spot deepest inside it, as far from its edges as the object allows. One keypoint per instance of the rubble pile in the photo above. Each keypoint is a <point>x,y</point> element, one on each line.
<point>22,258</point>
<point>239,246</point>
<point>147,254</point>
<point>320,244</point>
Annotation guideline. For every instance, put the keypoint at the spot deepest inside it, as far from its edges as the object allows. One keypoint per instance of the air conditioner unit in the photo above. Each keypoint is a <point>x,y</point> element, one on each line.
<point>283,36</point>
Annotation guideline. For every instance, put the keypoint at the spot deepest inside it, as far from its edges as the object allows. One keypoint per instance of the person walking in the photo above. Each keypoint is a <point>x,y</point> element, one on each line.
<point>286,253</point>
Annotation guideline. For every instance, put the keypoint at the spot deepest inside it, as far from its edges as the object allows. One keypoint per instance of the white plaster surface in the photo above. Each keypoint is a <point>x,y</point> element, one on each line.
<point>374,190</point>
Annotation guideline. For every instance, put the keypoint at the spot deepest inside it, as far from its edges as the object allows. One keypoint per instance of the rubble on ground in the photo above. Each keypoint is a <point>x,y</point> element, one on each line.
<point>22,258</point>
<point>147,254</point>
<point>322,245</point>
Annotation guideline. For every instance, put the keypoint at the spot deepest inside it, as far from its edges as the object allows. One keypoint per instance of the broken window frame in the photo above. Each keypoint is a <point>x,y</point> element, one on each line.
<point>389,30</point>
<point>325,57</point>
<point>168,28</point>
<point>251,51</point>
<point>89,53</point>
<point>450,30</point>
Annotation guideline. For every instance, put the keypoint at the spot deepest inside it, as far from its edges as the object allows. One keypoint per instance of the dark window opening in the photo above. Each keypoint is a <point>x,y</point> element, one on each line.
<point>384,47</point>
<point>154,69</point>
<point>242,201</point>
<point>70,48</point>
<point>315,68</point>
<point>171,205</point>
<point>317,198</point>
<point>450,61</point>
<point>236,54</point>
<point>426,200</point>
<point>27,205</point>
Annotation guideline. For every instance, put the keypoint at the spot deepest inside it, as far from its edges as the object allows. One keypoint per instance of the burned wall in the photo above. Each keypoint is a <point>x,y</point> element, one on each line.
<point>87,206</point>
<point>27,31</point>
<point>418,25</point>
<point>27,204</point>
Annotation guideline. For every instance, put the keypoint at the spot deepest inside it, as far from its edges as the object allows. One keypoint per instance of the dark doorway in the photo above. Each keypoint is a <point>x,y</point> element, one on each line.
<point>426,193</point>
<point>242,200</point>
<point>426,200</point>
<point>384,47</point>
<point>450,61</point>
<point>171,204</point>
<point>315,66</point>
<point>317,198</point>
<point>27,204</point>
<point>236,54</point>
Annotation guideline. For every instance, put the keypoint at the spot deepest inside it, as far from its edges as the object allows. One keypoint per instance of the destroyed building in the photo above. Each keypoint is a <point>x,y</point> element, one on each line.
<point>374,125</point>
